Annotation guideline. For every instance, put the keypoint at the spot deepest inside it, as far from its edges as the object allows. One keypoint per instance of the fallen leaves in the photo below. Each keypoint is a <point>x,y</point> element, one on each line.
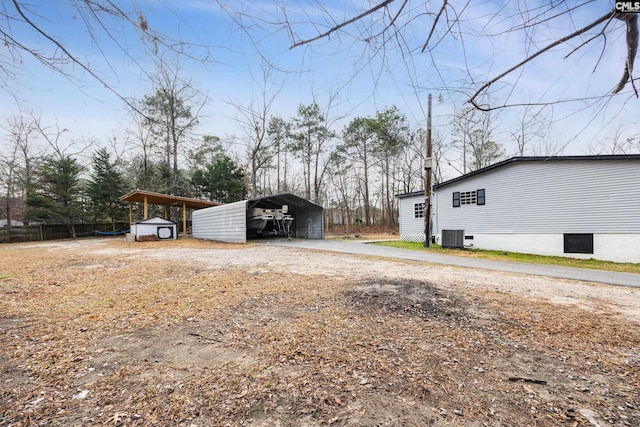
<point>108,336</point>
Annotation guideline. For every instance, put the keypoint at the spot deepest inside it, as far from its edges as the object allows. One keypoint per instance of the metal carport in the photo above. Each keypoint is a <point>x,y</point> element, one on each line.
<point>228,223</point>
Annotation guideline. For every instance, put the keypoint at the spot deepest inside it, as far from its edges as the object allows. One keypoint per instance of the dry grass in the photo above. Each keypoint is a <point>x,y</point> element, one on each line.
<point>104,336</point>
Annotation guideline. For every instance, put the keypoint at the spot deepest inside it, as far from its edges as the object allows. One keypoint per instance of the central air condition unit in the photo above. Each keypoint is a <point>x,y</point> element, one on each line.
<point>453,238</point>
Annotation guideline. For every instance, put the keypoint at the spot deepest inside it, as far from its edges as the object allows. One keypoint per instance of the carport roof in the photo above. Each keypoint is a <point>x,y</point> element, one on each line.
<point>152,198</point>
<point>277,200</point>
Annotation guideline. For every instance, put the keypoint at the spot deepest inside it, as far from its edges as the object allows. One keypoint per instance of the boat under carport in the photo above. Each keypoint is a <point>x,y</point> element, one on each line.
<point>230,222</point>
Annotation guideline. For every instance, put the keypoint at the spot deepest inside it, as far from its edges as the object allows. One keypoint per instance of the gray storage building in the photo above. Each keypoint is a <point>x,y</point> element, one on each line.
<point>229,222</point>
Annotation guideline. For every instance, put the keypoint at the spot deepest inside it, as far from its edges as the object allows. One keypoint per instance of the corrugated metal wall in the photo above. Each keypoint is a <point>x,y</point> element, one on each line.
<point>227,223</point>
<point>308,223</point>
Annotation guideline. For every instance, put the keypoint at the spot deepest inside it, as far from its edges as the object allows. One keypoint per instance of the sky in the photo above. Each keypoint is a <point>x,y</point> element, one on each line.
<point>233,41</point>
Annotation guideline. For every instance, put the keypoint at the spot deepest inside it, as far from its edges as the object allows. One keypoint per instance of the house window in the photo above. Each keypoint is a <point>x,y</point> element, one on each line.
<point>578,243</point>
<point>480,194</point>
<point>418,210</point>
<point>475,197</point>
<point>468,197</point>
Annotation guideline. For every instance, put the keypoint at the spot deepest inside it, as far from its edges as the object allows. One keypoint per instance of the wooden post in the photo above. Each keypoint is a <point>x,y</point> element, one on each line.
<point>130,212</point>
<point>146,209</point>
<point>427,181</point>
<point>184,218</point>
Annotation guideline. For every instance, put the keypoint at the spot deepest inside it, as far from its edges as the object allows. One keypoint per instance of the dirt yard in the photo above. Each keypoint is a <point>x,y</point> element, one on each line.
<point>192,333</point>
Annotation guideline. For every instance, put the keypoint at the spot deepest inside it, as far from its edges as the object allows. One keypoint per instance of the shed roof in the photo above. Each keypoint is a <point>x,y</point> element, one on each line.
<point>166,200</point>
<point>156,221</point>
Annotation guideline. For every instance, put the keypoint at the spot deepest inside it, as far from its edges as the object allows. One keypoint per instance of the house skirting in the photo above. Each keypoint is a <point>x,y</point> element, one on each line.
<point>606,246</point>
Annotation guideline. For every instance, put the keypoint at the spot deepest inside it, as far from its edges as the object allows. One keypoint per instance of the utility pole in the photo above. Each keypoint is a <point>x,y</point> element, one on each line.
<point>427,181</point>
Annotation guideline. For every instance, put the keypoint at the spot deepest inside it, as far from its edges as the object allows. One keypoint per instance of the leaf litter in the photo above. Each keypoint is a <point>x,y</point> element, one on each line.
<point>186,333</point>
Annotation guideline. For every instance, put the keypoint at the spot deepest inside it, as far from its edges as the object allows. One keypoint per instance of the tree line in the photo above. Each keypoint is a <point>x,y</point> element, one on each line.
<point>353,167</point>
<point>354,171</point>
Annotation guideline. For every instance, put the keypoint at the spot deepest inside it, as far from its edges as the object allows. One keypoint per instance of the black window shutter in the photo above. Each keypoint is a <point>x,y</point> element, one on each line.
<point>480,195</point>
<point>456,199</point>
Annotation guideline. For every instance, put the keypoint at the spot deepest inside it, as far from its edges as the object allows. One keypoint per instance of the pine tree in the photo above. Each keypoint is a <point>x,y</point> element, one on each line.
<point>105,188</point>
<point>222,181</point>
<point>57,194</point>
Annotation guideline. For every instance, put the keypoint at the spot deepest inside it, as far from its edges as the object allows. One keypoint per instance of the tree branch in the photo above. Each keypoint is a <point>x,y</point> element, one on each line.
<point>631,20</point>
<point>71,57</point>
<point>435,22</point>
<point>582,30</point>
<point>344,24</point>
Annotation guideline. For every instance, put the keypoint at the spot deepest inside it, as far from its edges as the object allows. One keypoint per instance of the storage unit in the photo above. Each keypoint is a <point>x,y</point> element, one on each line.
<point>282,214</point>
<point>162,229</point>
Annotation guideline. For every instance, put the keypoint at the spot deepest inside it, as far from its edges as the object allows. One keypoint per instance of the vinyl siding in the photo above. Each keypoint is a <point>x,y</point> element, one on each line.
<point>411,229</point>
<point>226,223</point>
<point>548,197</point>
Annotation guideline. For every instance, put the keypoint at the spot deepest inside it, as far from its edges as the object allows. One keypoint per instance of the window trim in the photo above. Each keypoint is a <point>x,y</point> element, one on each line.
<point>480,197</point>
<point>456,199</point>
<point>417,210</point>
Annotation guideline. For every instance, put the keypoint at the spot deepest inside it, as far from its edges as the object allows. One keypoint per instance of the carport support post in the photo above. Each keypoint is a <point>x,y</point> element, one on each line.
<point>184,218</point>
<point>427,181</point>
<point>130,212</point>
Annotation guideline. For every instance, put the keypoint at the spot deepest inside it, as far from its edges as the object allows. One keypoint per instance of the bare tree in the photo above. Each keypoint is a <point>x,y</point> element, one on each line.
<point>310,136</point>
<point>25,155</point>
<point>172,113</point>
<point>473,130</point>
<point>108,24</point>
<point>342,180</point>
<point>618,143</point>
<point>279,131</point>
<point>254,120</point>
<point>532,125</point>
<point>401,30</point>
<point>140,135</point>
<point>358,145</point>
<point>55,137</point>
<point>9,179</point>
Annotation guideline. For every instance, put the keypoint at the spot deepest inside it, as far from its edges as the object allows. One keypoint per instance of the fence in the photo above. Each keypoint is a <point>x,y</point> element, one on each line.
<point>40,232</point>
<point>360,229</point>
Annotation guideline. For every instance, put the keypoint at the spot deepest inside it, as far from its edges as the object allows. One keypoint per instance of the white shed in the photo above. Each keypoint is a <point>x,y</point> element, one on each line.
<point>577,206</point>
<point>284,214</point>
<point>163,229</point>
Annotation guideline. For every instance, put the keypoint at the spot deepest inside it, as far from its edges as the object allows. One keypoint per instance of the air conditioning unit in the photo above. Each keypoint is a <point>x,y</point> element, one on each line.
<point>453,238</point>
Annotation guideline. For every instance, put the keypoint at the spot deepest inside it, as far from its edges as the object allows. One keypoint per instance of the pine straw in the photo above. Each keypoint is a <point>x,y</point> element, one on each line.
<point>173,343</point>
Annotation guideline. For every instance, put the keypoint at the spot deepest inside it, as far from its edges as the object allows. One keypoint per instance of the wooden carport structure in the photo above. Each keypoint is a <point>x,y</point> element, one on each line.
<point>166,200</point>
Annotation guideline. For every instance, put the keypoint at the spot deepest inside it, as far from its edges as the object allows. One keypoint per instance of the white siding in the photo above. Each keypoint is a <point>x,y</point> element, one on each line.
<point>411,229</point>
<point>226,223</point>
<point>548,197</point>
<point>150,226</point>
<point>530,205</point>
<point>610,247</point>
